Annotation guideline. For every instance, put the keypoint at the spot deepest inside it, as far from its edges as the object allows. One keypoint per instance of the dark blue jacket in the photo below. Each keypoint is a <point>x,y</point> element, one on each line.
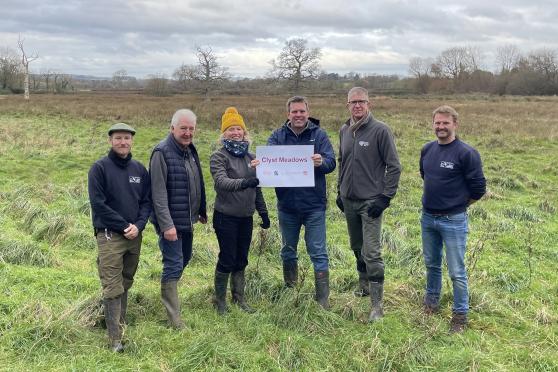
<point>305,199</point>
<point>452,176</point>
<point>178,191</point>
<point>119,192</point>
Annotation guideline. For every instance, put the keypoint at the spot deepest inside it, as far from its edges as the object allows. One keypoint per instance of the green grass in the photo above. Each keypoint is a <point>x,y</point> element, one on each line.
<point>50,313</point>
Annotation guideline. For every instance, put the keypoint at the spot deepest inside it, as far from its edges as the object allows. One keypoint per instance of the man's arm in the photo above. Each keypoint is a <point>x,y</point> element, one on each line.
<point>390,157</point>
<point>145,202</point>
<point>97,196</point>
<point>325,149</point>
<point>474,176</point>
<point>158,174</point>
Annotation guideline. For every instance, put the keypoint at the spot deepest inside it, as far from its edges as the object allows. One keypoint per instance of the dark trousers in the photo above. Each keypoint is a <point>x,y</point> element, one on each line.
<point>176,255</point>
<point>234,235</point>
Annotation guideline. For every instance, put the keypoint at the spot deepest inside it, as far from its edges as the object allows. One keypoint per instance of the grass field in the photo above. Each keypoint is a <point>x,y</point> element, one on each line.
<point>50,318</point>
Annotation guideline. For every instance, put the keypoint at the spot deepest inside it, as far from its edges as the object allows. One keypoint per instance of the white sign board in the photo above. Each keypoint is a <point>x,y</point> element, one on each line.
<point>285,166</point>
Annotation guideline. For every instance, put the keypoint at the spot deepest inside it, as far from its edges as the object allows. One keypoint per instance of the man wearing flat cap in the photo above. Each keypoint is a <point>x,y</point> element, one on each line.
<point>120,196</point>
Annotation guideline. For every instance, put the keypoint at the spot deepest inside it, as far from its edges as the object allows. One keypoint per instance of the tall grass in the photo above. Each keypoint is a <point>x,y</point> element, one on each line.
<point>50,297</point>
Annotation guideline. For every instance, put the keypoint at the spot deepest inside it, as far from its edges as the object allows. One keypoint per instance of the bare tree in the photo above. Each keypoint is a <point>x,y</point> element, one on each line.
<point>458,61</point>
<point>186,76</point>
<point>119,78</point>
<point>208,72</point>
<point>297,63</point>
<point>10,69</point>
<point>507,58</point>
<point>25,60</point>
<point>421,69</point>
<point>157,85</point>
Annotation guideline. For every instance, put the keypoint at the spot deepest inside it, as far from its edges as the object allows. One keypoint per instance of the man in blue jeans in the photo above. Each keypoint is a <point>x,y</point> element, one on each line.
<point>306,206</point>
<point>178,195</point>
<point>453,180</point>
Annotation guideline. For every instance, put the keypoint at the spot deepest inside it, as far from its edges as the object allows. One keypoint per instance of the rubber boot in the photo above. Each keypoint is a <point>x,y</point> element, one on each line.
<point>458,323</point>
<point>221,282</point>
<point>123,307</point>
<point>376,301</point>
<point>290,274</point>
<point>321,282</point>
<point>169,297</point>
<point>112,319</point>
<point>363,286</point>
<point>237,289</point>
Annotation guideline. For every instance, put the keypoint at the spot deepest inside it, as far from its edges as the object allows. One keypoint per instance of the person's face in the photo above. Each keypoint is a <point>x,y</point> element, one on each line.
<point>298,115</point>
<point>121,143</point>
<point>444,127</point>
<point>358,105</point>
<point>183,131</point>
<point>234,132</point>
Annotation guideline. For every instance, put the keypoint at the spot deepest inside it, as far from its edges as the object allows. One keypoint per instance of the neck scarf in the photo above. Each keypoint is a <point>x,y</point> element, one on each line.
<point>236,148</point>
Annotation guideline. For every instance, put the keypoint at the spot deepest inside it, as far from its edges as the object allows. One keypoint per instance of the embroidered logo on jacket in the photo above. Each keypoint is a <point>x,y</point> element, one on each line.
<point>134,179</point>
<point>363,143</point>
<point>446,164</point>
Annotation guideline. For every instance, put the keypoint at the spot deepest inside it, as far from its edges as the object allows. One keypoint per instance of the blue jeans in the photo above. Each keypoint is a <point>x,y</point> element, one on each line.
<point>176,255</point>
<point>451,231</point>
<point>314,236</point>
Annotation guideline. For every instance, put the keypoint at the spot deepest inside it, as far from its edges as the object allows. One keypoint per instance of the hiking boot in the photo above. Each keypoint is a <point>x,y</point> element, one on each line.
<point>123,308</point>
<point>290,274</point>
<point>321,282</point>
<point>221,282</point>
<point>363,286</point>
<point>458,323</point>
<point>169,297</point>
<point>431,305</point>
<point>237,289</point>
<point>376,301</point>
<point>112,319</point>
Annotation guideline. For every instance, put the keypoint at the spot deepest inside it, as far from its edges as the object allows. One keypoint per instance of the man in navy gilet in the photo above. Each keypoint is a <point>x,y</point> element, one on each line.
<point>453,180</point>
<point>178,203</point>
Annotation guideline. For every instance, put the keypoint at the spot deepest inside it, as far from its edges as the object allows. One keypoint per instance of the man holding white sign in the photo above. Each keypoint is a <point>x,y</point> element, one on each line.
<point>298,206</point>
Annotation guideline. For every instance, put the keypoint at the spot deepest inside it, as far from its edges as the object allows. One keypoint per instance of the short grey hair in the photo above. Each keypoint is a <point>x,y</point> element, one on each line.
<point>357,90</point>
<point>183,113</point>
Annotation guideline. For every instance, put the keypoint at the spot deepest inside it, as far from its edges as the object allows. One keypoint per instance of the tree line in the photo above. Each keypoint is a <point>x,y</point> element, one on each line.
<point>297,68</point>
<point>460,70</point>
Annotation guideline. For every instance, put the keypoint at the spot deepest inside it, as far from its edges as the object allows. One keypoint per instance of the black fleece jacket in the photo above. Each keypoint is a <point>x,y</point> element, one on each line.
<point>119,193</point>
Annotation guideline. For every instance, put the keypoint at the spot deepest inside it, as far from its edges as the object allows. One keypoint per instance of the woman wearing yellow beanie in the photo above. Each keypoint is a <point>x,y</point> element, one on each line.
<point>237,198</point>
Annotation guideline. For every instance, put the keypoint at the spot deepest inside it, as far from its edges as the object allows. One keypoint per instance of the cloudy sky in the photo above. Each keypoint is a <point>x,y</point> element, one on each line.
<point>145,37</point>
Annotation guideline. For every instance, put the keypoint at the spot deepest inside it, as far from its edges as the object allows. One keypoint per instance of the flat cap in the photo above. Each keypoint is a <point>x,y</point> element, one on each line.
<point>121,127</point>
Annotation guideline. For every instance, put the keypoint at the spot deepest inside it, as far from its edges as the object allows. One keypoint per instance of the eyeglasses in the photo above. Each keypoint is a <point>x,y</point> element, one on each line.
<point>358,102</point>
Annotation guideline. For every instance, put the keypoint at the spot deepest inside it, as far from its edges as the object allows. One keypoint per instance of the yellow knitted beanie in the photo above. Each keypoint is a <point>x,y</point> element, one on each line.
<point>231,117</point>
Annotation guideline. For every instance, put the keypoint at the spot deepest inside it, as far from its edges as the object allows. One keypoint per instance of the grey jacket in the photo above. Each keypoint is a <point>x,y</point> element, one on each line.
<point>228,171</point>
<point>368,161</point>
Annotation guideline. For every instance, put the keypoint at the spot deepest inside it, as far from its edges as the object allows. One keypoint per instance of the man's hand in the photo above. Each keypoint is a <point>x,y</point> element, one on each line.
<point>131,232</point>
<point>202,219</point>
<point>170,234</point>
<point>378,206</point>
<point>317,159</point>
<point>266,223</point>
<point>339,203</point>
